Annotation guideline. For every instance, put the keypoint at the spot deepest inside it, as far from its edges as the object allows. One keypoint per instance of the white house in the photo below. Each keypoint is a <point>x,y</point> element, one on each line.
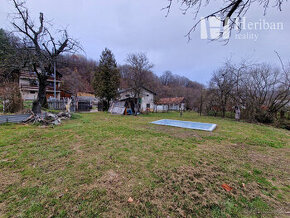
<point>126,103</point>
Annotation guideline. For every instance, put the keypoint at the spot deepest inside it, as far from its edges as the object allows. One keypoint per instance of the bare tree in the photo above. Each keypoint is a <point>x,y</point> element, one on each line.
<point>77,73</point>
<point>139,68</point>
<point>166,78</point>
<point>267,92</point>
<point>222,84</point>
<point>258,89</point>
<point>44,47</point>
<point>229,12</point>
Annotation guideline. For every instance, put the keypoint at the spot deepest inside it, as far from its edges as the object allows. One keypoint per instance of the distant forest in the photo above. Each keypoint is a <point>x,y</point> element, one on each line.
<point>78,75</point>
<point>260,91</point>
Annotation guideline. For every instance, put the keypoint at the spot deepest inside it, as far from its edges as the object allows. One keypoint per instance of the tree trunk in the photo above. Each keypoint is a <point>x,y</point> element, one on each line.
<point>108,104</point>
<point>282,114</point>
<point>223,112</point>
<point>38,103</point>
<point>200,107</point>
<point>201,102</point>
<point>105,104</point>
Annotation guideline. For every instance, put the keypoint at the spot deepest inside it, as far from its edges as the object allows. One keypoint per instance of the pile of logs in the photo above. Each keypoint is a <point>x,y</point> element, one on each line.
<point>47,118</point>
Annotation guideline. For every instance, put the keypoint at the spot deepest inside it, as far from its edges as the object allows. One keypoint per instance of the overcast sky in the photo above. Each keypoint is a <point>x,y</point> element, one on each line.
<point>127,26</point>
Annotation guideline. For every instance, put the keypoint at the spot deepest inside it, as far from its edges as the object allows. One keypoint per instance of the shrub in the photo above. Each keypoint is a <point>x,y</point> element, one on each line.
<point>264,117</point>
<point>11,97</point>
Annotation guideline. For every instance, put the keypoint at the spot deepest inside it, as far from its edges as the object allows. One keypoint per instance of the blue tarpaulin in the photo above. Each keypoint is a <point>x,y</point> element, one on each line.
<point>186,124</point>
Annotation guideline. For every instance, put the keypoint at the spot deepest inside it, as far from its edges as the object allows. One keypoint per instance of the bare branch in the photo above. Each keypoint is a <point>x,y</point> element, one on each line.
<point>228,13</point>
<point>280,59</point>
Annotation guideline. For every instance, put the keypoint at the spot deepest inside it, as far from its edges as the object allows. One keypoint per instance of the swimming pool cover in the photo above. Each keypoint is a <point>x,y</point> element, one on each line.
<point>186,124</point>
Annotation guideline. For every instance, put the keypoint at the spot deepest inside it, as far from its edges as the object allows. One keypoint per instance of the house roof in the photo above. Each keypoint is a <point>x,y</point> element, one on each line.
<point>177,100</point>
<point>125,90</point>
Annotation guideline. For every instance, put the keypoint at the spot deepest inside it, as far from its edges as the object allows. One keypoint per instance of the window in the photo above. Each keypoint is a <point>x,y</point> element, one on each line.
<point>32,92</point>
<point>148,106</point>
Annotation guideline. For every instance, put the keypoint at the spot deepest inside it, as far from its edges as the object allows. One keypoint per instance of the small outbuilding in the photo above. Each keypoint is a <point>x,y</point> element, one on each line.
<point>86,101</point>
<point>171,104</point>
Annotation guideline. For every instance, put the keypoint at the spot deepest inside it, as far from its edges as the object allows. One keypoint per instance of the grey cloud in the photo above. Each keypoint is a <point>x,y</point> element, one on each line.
<point>127,26</point>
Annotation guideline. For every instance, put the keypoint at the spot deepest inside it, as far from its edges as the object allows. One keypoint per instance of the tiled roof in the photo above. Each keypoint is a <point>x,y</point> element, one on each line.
<point>177,100</point>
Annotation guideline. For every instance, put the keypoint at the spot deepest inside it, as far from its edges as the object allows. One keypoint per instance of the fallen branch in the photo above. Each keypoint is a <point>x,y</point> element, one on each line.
<point>48,119</point>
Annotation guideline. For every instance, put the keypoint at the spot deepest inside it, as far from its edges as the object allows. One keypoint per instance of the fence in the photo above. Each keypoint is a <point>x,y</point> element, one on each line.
<point>15,118</point>
<point>55,104</point>
<point>80,105</point>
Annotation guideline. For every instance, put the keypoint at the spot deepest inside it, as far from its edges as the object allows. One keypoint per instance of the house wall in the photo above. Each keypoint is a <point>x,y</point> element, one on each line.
<point>146,98</point>
<point>175,107</point>
<point>28,95</point>
<point>29,92</point>
<point>171,107</point>
<point>51,95</point>
<point>162,108</point>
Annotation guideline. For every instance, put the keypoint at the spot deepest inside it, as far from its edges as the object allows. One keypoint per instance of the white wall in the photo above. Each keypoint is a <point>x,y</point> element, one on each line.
<point>162,108</point>
<point>26,95</point>
<point>146,98</point>
<point>172,107</point>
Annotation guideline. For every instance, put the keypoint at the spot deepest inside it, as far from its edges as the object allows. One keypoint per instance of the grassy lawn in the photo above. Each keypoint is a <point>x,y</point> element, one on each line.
<point>92,164</point>
<point>26,105</point>
<point>1,107</point>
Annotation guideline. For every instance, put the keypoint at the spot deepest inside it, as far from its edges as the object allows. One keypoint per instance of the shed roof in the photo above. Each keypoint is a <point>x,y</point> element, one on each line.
<point>177,100</point>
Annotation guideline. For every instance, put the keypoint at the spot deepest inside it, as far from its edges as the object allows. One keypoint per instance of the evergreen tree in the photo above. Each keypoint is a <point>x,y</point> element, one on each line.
<point>107,78</point>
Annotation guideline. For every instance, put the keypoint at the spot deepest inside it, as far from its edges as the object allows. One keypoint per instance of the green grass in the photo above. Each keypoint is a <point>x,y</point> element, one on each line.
<point>90,165</point>
<point>27,104</point>
<point>1,106</point>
